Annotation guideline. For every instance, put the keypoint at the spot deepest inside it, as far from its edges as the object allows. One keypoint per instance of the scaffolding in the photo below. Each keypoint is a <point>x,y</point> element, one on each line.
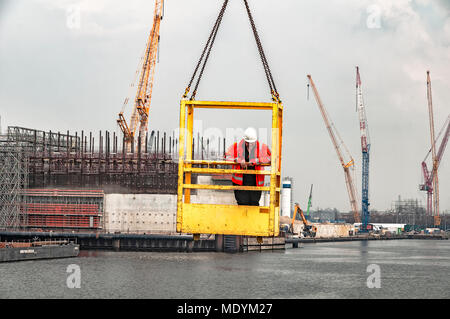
<point>409,211</point>
<point>32,140</point>
<point>58,160</point>
<point>13,179</point>
<point>101,161</point>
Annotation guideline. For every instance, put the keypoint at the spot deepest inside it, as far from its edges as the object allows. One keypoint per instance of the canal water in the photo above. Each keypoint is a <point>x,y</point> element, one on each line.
<point>400,268</point>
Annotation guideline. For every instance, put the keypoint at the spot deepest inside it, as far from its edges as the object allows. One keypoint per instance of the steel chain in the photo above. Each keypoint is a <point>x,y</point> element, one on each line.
<point>273,88</point>
<point>219,21</point>
<point>213,31</point>
<point>208,47</point>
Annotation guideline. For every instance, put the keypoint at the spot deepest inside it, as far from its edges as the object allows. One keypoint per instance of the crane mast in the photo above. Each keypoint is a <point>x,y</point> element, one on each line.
<point>346,166</point>
<point>429,176</point>
<point>365,146</point>
<point>433,153</point>
<point>140,112</point>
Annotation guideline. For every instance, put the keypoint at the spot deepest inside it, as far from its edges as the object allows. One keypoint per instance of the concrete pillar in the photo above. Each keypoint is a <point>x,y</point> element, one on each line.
<point>116,244</point>
<point>232,243</point>
<point>240,243</point>
<point>219,243</point>
<point>190,246</point>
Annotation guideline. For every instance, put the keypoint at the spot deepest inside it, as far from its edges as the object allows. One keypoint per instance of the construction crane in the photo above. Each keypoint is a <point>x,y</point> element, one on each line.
<point>365,146</point>
<point>140,112</point>
<point>431,182</point>
<point>308,230</point>
<point>428,176</point>
<point>346,166</point>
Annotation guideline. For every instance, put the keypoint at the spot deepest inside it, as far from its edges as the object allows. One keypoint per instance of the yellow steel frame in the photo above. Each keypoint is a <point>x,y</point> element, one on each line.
<point>226,219</point>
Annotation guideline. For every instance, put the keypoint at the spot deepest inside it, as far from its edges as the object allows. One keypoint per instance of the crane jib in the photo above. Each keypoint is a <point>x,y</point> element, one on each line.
<point>140,113</point>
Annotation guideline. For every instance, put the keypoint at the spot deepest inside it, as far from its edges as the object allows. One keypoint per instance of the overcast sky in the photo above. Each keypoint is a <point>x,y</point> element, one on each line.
<point>61,71</point>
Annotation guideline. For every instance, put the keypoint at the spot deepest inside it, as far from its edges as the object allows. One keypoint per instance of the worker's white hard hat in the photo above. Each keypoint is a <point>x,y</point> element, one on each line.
<point>250,135</point>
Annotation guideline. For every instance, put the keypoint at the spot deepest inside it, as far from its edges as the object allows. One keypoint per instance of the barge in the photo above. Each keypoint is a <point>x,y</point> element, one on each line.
<point>18,251</point>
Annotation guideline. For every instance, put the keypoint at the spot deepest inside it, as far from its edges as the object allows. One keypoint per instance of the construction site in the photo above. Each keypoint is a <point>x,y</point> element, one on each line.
<point>147,189</point>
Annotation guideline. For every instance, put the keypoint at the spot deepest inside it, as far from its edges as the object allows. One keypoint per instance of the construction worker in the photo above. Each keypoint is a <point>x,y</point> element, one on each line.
<point>249,153</point>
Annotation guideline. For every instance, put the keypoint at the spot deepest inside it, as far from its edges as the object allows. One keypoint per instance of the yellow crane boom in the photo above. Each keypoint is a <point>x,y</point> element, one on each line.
<point>346,166</point>
<point>140,113</point>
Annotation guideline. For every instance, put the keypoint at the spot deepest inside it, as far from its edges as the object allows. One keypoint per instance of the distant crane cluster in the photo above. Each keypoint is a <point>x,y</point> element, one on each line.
<point>431,181</point>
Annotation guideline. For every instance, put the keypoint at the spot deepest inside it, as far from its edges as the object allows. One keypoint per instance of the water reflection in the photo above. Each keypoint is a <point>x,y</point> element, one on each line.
<point>409,268</point>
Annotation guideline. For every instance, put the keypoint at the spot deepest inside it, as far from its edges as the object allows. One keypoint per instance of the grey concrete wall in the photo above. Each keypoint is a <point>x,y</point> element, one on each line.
<point>155,213</point>
<point>206,196</point>
<point>140,213</point>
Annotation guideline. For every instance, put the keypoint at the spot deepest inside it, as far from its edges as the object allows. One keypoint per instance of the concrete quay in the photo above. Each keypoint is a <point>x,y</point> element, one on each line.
<point>293,242</point>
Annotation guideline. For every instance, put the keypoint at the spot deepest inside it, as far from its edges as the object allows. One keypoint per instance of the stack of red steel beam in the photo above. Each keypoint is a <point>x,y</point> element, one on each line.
<point>45,209</point>
<point>64,192</point>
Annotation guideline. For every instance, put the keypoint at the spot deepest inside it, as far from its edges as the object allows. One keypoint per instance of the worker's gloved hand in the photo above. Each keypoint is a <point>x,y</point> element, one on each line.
<point>243,164</point>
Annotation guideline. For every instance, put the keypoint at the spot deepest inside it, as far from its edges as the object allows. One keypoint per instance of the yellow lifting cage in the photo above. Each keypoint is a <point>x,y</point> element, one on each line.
<point>193,218</point>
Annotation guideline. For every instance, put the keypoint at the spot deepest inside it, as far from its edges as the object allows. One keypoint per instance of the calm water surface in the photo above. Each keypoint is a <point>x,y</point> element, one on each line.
<point>409,269</point>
